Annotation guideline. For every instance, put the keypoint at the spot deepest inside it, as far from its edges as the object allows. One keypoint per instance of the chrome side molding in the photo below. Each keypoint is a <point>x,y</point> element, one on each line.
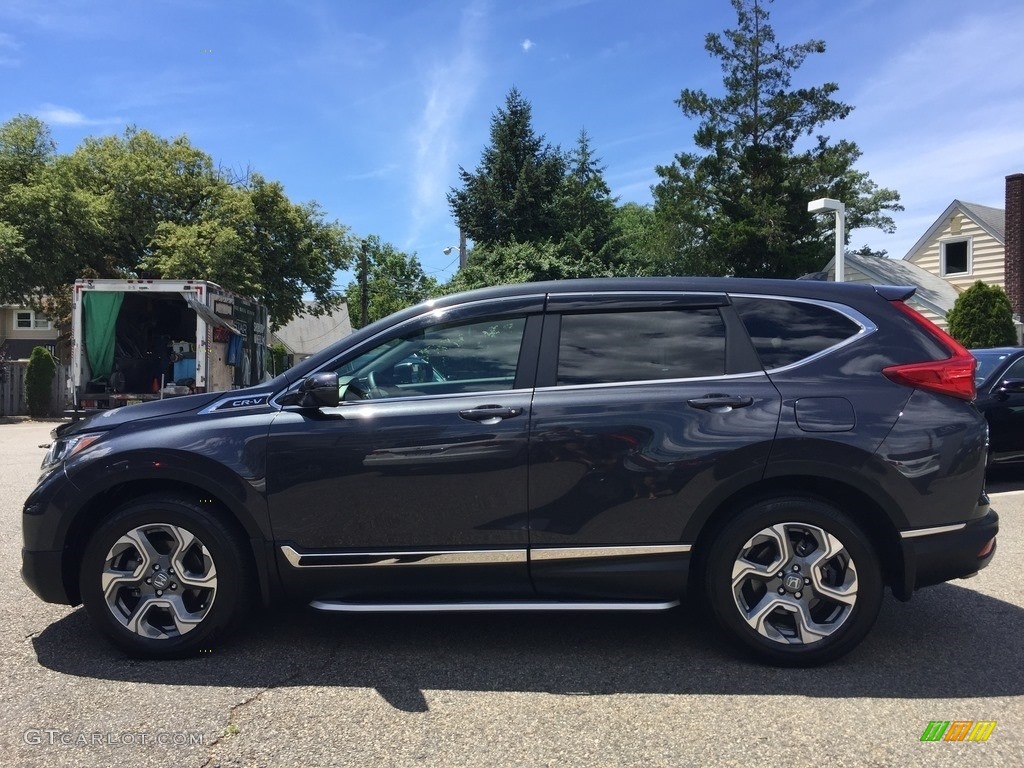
<point>428,557</point>
<point>931,531</point>
<point>472,556</point>
<point>585,553</point>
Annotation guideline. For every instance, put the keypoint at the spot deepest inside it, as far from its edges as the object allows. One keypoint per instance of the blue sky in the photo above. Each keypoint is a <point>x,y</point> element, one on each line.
<point>370,107</point>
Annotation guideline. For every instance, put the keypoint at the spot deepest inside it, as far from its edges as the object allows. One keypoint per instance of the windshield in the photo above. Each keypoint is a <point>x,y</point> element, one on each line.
<point>988,361</point>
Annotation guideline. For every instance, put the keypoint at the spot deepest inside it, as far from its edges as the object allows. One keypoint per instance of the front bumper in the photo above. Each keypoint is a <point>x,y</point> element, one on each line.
<point>43,573</point>
<point>44,524</point>
<point>933,558</point>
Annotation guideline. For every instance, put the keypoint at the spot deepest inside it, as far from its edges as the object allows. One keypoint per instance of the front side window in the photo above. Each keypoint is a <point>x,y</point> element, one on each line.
<point>1015,371</point>
<point>640,346</point>
<point>785,332</point>
<point>956,258</point>
<point>478,356</point>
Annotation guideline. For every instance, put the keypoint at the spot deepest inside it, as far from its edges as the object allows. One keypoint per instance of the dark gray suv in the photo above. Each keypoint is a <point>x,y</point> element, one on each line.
<point>787,449</point>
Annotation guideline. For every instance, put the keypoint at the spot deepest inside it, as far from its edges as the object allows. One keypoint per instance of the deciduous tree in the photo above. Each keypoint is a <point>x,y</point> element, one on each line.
<point>394,281</point>
<point>138,205</point>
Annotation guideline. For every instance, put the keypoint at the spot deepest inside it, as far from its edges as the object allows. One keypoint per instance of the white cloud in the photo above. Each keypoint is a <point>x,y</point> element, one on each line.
<point>375,173</point>
<point>450,89</point>
<point>55,115</point>
<point>527,44</point>
<point>942,120</point>
<point>971,167</point>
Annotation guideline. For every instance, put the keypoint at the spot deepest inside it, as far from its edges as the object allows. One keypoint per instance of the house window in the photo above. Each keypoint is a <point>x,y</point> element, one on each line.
<point>28,320</point>
<point>956,257</point>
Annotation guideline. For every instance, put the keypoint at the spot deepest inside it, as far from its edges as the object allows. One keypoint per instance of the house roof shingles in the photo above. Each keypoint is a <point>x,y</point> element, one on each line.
<point>933,292</point>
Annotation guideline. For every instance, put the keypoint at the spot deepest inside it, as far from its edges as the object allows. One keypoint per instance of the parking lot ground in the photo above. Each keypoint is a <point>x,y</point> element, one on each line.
<point>302,689</point>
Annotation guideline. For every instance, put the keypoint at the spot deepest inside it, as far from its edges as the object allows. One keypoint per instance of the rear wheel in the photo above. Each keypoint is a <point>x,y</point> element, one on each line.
<point>795,581</point>
<point>164,578</point>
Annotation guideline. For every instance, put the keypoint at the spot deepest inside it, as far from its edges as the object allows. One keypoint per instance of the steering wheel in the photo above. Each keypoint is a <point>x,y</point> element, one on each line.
<point>373,390</point>
<point>355,392</point>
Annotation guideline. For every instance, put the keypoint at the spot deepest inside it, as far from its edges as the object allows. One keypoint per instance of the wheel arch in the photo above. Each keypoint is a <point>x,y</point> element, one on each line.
<point>102,503</point>
<point>860,507</point>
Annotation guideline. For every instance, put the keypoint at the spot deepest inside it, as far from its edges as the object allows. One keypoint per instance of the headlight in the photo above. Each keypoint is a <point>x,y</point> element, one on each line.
<point>64,448</point>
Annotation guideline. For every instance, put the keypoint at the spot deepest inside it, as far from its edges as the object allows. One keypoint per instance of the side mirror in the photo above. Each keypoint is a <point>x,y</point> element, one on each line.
<point>319,391</point>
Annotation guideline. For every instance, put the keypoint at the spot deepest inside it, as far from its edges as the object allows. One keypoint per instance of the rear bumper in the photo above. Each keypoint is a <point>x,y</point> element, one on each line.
<point>932,556</point>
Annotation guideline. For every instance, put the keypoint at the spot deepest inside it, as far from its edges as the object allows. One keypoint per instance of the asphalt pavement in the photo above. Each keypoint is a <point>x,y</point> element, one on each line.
<point>302,689</point>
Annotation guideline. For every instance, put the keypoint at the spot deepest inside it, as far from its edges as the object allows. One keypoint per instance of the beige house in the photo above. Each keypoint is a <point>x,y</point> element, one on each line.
<point>967,242</point>
<point>22,328</point>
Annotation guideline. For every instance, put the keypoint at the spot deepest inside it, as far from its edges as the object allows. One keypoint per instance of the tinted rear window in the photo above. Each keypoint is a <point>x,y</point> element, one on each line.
<point>786,332</point>
<point>988,361</point>
<point>641,346</point>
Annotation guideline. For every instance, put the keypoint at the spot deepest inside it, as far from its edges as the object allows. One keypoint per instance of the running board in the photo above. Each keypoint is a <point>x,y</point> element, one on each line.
<point>539,605</point>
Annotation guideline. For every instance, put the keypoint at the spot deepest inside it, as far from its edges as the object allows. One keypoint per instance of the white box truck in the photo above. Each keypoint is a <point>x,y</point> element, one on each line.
<point>137,340</point>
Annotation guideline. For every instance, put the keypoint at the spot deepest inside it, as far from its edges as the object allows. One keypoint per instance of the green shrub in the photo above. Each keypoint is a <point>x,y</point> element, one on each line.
<point>982,317</point>
<point>278,359</point>
<point>39,382</point>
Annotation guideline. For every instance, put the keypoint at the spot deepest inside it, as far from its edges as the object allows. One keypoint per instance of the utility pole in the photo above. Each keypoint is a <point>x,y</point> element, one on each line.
<point>462,248</point>
<point>364,288</point>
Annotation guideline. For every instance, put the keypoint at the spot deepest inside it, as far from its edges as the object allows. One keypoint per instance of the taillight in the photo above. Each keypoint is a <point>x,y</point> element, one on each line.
<point>952,376</point>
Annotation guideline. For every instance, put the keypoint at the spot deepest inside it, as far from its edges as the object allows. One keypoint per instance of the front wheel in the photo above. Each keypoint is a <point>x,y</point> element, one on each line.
<point>795,581</point>
<point>163,577</point>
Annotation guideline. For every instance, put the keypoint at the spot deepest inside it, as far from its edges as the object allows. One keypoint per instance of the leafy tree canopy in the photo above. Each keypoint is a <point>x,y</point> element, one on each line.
<point>739,205</point>
<point>394,281</point>
<point>138,205</point>
<point>513,194</point>
<point>533,212</point>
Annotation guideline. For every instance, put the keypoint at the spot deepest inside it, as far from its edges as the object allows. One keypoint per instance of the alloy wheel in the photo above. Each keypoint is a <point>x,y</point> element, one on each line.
<point>159,581</point>
<point>794,583</point>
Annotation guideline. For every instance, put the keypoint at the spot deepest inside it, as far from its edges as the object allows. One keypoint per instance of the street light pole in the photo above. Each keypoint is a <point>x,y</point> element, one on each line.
<point>364,287</point>
<point>447,250</point>
<point>828,204</point>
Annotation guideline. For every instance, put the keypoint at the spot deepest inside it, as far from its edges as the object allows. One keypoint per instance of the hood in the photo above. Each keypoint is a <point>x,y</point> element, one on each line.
<point>117,416</point>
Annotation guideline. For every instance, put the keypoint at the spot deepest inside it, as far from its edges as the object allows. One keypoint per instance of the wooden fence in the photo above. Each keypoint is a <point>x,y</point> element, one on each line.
<point>12,390</point>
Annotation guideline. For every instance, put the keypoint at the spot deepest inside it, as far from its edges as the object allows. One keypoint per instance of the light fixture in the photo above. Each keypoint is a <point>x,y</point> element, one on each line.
<point>828,204</point>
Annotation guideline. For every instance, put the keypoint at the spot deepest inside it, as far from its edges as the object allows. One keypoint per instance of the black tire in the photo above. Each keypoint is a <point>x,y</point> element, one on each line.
<point>766,611</point>
<point>197,606</point>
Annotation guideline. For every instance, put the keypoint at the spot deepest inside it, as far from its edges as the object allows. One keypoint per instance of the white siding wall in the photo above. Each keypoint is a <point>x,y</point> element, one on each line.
<point>986,254</point>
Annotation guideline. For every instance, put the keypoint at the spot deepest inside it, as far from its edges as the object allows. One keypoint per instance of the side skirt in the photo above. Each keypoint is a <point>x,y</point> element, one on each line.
<point>519,605</point>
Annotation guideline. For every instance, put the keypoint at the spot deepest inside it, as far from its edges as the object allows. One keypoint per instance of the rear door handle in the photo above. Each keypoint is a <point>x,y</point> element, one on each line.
<point>489,414</point>
<point>716,402</point>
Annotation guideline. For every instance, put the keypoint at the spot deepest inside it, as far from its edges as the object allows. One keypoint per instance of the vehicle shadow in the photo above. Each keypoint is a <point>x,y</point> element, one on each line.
<point>949,642</point>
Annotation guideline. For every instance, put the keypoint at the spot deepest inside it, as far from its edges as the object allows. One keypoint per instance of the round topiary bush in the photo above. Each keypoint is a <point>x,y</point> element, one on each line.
<point>982,317</point>
<point>39,382</point>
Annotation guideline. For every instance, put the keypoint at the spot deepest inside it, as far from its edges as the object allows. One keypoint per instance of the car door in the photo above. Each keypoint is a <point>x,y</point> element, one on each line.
<point>645,406</point>
<point>415,485</point>
<point>1003,406</point>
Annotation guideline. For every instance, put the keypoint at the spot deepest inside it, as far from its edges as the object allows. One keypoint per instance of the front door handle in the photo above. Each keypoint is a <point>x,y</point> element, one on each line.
<point>489,414</point>
<point>716,402</point>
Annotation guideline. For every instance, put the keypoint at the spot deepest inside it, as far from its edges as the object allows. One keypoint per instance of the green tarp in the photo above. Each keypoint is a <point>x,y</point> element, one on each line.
<point>101,309</point>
